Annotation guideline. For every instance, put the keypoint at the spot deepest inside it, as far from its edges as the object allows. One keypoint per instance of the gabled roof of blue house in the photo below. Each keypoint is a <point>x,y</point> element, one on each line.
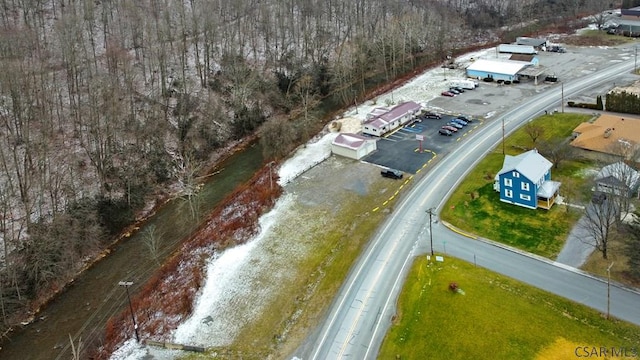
<point>530,164</point>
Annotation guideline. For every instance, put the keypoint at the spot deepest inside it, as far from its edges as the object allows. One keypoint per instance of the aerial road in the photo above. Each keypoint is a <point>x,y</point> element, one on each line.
<point>361,313</point>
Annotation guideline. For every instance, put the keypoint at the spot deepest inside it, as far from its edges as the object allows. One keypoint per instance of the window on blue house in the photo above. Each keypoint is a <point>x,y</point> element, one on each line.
<point>525,186</point>
<point>525,197</point>
<point>508,193</point>
<point>507,182</point>
<point>516,174</point>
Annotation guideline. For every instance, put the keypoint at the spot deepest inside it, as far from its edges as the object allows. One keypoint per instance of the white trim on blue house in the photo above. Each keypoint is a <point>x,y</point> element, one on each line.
<point>527,181</point>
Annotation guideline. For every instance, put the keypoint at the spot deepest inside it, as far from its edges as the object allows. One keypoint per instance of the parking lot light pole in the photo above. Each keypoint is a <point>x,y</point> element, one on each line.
<point>430,212</point>
<point>126,285</point>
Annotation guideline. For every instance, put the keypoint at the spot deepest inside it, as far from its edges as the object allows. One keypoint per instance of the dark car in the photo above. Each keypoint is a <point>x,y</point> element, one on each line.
<point>431,115</point>
<point>445,132</point>
<point>455,124</point>
<point>454,91</point>
<point>464,118</point>
<point>450,128</point>
<point>460,121</point>
<point>458,89</point>
<point>391,173</point>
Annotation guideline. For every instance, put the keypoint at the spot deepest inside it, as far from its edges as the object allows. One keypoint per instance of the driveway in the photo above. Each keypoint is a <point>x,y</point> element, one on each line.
<point>577,247</point>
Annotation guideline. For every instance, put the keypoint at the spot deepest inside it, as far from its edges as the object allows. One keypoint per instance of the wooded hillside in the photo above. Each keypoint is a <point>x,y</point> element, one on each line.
<point>105,104</point>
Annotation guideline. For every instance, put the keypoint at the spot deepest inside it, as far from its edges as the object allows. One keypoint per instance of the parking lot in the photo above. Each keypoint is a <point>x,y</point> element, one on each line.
<point>401,150</point>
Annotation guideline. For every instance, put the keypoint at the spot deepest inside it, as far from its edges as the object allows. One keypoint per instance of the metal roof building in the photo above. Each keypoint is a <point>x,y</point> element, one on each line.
<point>498,70</point>
<point>516,49</point>
<point>527,41</point>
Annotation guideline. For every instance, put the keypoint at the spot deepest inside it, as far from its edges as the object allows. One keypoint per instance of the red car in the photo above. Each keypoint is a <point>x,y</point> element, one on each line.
<point>450,128</point>
<point>448,93</point>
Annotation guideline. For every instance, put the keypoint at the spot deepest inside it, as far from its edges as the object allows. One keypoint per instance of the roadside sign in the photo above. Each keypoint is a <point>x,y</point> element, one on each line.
<point>419,137</point>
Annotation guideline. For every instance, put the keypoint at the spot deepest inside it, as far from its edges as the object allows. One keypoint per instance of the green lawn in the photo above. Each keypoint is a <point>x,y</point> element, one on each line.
<point>475,207</point>
<point>496,318</point>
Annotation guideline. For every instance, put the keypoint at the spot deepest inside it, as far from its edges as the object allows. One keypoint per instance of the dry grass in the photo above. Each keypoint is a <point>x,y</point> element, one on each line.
<point>595,38</point>
<point>616,254</point>
<point>496,317</point>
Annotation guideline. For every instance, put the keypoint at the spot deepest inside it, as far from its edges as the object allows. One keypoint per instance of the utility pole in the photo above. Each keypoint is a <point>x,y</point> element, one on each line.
<point>126,285</point>
<point>430,212</point>
<point>562,96</point>
<point>635,62</point>
<point>609,289</point>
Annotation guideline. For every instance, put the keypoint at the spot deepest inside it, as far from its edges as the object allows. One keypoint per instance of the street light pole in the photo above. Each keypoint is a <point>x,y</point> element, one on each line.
<point>126,285</point>
<point>502,136</point>
<point>430,212</point>
<point>609,289</point>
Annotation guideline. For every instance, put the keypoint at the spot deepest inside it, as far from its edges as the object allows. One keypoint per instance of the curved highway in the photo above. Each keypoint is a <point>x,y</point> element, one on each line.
<point>361,312</point>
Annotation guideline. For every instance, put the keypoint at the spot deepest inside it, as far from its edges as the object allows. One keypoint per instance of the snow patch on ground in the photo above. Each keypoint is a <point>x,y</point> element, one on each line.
<point>235,291</point>
<point>231,285</point>
<point>305,158</point>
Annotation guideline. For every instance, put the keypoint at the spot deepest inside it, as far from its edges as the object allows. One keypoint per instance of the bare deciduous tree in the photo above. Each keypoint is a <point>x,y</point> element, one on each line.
<point>600,219</point>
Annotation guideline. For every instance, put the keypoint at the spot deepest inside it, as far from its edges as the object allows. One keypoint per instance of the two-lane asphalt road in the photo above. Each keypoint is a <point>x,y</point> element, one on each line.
<point>361,313</point>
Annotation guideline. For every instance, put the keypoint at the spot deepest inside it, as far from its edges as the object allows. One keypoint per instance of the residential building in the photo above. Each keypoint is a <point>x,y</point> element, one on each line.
<point>618,179</point>
<point>525,180</point>
<point>608,138</point>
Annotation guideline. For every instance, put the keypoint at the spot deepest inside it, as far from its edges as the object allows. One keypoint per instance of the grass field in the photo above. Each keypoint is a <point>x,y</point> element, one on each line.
<point>475,207</point>
<point>496,318</point>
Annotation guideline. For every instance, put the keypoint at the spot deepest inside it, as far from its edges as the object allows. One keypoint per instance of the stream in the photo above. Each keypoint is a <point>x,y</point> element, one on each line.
<point>84,308</point>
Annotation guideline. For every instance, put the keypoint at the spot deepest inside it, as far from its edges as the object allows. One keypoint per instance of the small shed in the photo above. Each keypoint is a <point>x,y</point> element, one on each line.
<point>353,146</point>
<point>498,70</point>
<point>516,49</point>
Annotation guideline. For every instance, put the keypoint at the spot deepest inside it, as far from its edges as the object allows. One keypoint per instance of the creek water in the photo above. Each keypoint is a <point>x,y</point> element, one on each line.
<point>84,308</point>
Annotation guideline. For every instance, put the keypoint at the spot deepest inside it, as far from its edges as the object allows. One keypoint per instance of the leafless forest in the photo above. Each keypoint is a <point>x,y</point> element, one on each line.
<point>106,103</point>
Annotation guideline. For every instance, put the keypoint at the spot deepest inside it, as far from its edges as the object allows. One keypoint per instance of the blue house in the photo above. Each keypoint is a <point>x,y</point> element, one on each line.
<point>525,180</point>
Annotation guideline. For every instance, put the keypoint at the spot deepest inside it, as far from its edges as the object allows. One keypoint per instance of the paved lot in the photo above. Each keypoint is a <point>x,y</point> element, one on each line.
<point>400,150</point>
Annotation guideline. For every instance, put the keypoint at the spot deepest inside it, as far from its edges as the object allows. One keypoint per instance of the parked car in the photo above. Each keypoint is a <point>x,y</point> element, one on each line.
<point>551,78</point>
<point>454,91</point>
<point>450,128</point>
<point>431,115</point>
<point>457,88</point>
<point>445,132</point>
<point>455,124</point>
<point>448,93</point>
<point>391,173</point>
<point>465,118</point>
<point>459,121</point>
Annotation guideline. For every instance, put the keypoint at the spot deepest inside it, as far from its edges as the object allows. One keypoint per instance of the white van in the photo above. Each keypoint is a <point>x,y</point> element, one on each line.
<point>464,83</point>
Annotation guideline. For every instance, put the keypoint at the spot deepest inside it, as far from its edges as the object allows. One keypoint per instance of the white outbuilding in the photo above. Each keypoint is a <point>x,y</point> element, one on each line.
<point>353,146</point>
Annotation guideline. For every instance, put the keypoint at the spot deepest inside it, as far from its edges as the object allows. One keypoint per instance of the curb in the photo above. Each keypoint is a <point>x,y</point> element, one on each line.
<point>541,258</point>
